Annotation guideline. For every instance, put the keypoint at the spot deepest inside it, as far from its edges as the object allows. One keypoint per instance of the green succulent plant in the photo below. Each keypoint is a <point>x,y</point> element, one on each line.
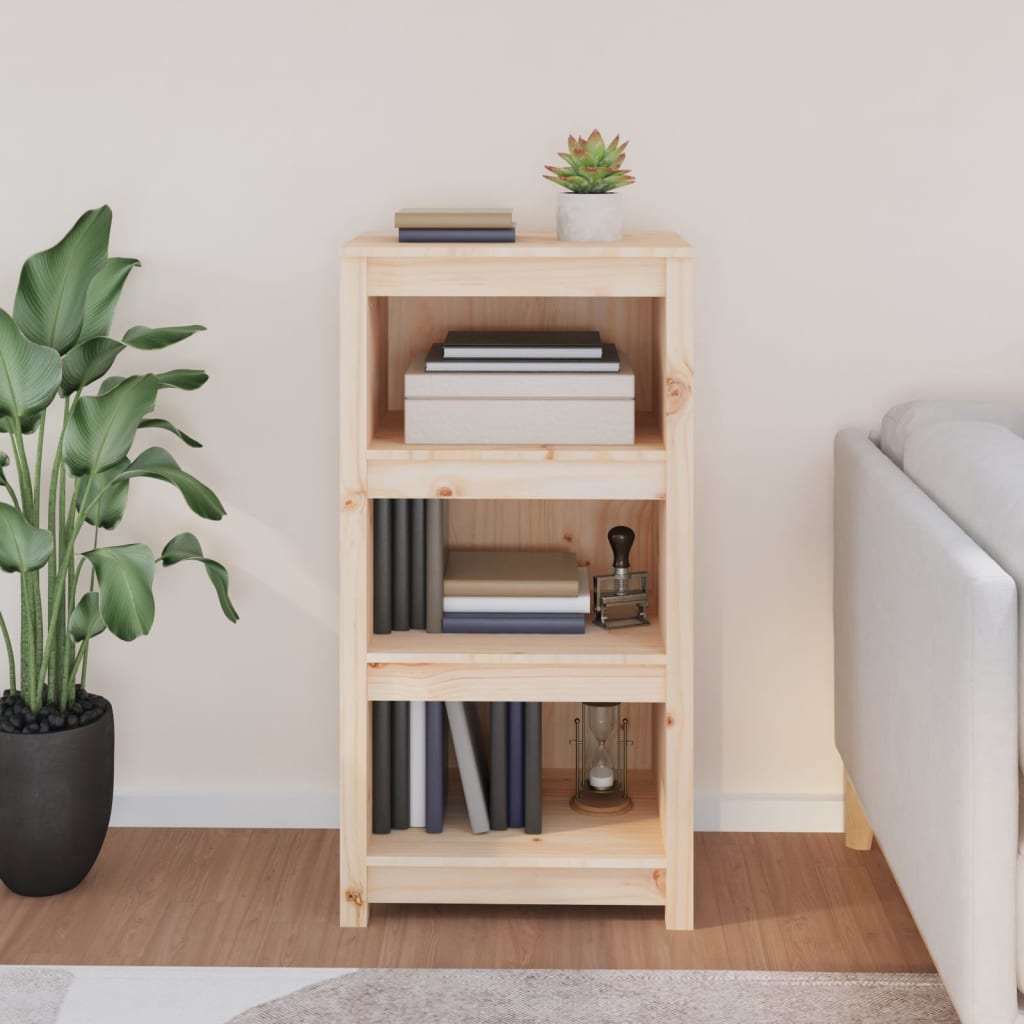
<point>591,166</point>
<point>53,346</point>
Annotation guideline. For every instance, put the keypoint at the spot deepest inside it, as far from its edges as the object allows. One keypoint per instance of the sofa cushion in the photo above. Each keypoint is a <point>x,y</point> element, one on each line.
<point>902,420</point>
<point>975,473</point>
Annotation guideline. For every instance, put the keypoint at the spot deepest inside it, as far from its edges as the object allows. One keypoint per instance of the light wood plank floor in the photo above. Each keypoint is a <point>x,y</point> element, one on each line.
<point>269,898</point>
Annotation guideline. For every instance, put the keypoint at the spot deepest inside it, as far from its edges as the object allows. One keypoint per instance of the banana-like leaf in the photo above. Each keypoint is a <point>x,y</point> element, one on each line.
<point>125,578</point>
<point>29,374</point>
<point>161,424</point>
<point>88,362</point>
<point>103,294</point>
<point>5,461</point>
<point>149,338</point>
<point>110,383</point>
<point>159,464</point>
<point>186,547</point>
<point>112,495</point>
<point>50,304</point>
<point>101,429</point>
<point>184,380</point>
<point>86,620</point>
<point>23,547</point>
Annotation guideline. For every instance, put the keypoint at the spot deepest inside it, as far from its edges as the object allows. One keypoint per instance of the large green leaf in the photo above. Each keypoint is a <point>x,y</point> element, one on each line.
<point>150,338</point>
<point>29,374</point>
<point>101,429</point>
<point>23,547</point>
<point>112,495</point>
<point>125,578</point>
<point>162,424</point>
<point>186,548</point>
<point>184,380</point>
<point>50,304</point>
<point>103,294</point>
<point>86,620</point>
<point>159,464</point>
<point>88,362</point>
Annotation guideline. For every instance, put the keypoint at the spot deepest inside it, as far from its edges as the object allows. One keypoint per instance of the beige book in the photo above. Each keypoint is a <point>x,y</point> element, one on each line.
<point>511,574</point>
<point>459,218</point>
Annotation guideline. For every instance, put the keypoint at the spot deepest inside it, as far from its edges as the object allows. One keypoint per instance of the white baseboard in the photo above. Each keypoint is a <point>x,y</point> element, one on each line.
<point>713,812</point>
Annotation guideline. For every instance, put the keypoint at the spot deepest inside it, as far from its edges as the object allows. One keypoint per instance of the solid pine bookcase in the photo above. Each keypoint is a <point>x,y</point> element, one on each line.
<point>395,301</point>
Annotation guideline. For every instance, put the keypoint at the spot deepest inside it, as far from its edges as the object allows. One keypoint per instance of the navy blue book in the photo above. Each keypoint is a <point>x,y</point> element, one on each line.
<point>457,234</point>
<point>516,765</point>
<point>513,622</point>
<point>437,765</point>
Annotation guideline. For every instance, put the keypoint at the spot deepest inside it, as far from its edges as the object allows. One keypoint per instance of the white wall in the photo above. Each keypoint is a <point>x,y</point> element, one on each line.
<point>851,175</point>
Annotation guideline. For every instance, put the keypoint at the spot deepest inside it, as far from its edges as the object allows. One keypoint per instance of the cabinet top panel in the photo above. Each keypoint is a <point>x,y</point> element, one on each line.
<point>657,245</point>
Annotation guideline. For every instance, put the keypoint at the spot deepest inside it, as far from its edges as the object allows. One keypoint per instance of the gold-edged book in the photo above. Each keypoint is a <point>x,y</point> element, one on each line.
<point>460,218</point>
<point>511,574</point>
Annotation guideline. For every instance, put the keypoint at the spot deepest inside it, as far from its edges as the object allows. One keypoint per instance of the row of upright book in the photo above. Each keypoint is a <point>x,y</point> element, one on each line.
<point>500,775</point>
<point>520,387</point>
<point>464,226</point>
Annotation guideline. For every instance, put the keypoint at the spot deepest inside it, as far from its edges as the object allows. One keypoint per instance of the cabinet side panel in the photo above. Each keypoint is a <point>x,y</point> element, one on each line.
<point>354,555</point>
<point>675,342</point>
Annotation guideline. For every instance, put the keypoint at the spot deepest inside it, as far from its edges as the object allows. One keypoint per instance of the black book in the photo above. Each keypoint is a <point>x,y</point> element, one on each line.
<point>436,557</point>
<point>418,563</point>
<point>522,345</point>
<point>533,769</point>
<point>516,752</point>
<point>400,764</point>
<point>380,788</point>
<point>382,565</point>
<point>498,773</point>
<point>437,765</point>
<point>469,235</point>
<point>400,564</point>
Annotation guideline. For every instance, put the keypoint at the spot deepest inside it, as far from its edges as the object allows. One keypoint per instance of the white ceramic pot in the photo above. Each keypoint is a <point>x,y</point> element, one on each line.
<point>586,217</point>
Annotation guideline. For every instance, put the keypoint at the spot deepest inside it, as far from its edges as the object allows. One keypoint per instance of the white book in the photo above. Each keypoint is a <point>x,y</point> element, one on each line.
<point>417,764</point>
<point>557,605</point>
<point>421,384</point>
<point>437,362</point>
<point>519,421</point>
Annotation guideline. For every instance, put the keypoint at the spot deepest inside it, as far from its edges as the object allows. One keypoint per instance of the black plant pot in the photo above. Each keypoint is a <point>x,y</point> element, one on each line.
<point>55,796</point>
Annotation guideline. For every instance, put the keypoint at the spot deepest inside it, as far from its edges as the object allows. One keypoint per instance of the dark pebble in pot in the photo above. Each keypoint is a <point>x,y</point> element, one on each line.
<point>72,720</point>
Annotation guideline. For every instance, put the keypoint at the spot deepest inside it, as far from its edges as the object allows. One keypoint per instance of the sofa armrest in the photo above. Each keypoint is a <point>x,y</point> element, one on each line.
<point>926,718</point>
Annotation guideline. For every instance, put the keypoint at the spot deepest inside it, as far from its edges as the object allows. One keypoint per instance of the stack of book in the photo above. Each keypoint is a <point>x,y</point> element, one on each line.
<point>520,387</point>
<point>455,226</point>
<point>514,592</point>
<point>410,548</point>
<point>501,778</point>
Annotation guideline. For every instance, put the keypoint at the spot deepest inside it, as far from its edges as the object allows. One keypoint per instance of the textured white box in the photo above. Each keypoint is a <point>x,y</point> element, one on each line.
<point>519,421</point>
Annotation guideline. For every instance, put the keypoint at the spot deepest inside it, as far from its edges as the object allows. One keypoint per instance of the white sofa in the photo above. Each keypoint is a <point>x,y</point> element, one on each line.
<point>929,556</point>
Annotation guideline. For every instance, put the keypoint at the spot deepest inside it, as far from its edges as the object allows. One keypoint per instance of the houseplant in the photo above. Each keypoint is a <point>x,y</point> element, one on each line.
<point>56,737</point>
<point>589,209</point>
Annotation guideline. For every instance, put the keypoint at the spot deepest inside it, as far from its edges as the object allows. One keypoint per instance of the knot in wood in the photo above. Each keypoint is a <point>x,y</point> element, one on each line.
<point>444,492</point>
<point>355,897</point>
<point>353,502</point>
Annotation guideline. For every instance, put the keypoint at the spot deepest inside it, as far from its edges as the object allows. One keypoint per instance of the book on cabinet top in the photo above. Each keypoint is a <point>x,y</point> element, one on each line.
<point>437,362</point>
<point>522,345</point>
<point>459,217</point>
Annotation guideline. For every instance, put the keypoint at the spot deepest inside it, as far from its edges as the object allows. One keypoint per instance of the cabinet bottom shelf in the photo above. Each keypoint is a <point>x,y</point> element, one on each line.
<point>578,859</point>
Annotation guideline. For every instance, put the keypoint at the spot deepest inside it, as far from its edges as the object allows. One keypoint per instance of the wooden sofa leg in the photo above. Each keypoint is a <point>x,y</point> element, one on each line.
<point>855,823</point>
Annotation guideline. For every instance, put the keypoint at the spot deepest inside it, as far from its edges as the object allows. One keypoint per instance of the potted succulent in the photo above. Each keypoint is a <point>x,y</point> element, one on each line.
<point>56,736</point>
<point>589,209</point>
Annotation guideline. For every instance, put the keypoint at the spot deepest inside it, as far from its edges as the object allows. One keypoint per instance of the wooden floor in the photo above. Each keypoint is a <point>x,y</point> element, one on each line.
<point>259,898</point>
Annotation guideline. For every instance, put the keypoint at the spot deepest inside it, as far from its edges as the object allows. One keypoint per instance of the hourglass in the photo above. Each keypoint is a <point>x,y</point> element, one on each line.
<point>601,760</point>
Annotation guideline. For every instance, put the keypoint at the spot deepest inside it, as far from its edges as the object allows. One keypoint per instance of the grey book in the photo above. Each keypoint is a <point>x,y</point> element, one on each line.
<point>466,235</point>
<point>437,765</point>
<point>533,769</point>
<point>380,787</point>
<point>400,564</point>
<point>417,564</point>
<point>465,728</point>
<point>499,765</point>
<point>438,362</point>
<point>399,764</point>
<point>514,622</point>
<point>436,556</point>
<point>382,565</point>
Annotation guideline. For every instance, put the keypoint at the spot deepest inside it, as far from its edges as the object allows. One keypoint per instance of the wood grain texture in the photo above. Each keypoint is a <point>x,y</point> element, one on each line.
<point>239,897</point>
<point>859,834</point>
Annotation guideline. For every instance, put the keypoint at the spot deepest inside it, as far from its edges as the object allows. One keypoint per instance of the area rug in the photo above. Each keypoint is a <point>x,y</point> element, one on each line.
<point>610,997</point>
<point>32,995</point>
